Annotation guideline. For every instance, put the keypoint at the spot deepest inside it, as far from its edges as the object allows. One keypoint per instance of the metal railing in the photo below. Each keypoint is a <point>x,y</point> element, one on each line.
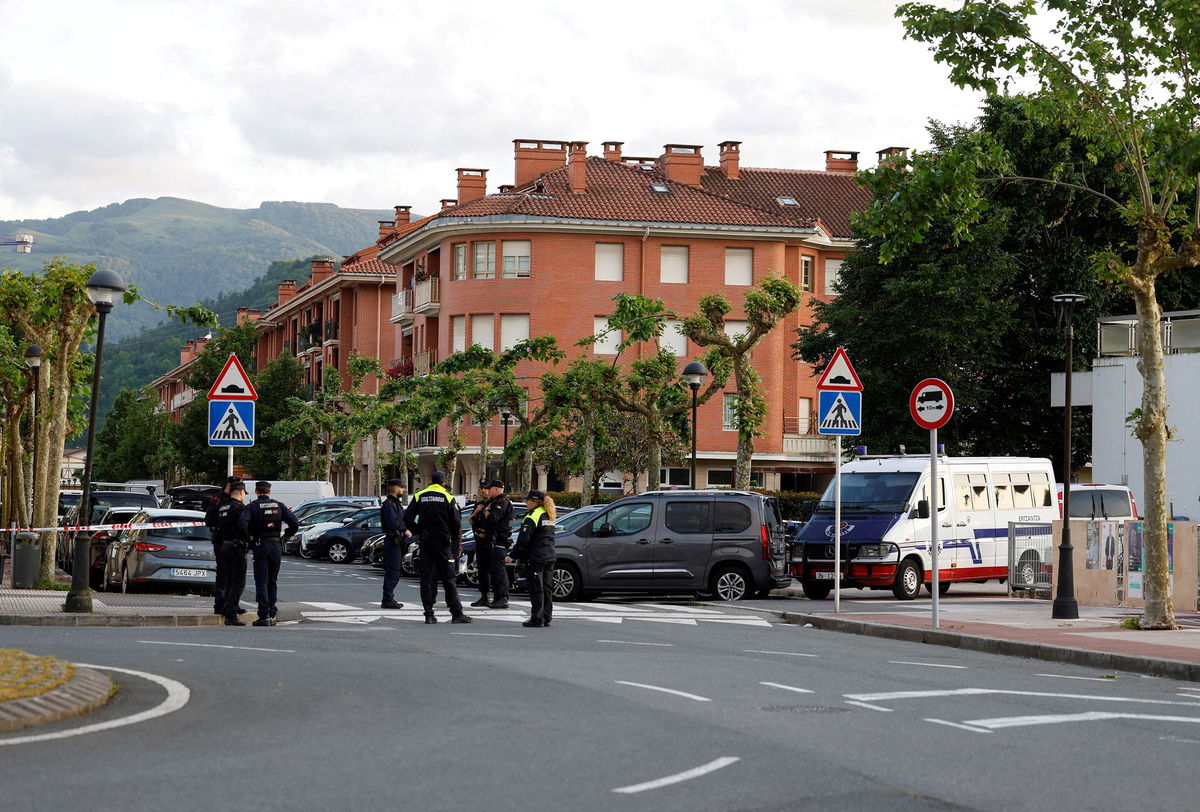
<point>426,295</point>
<point>800,424</point>
<point>424,361</point>
<point>1030,558</point>
<point>331,331</point>
<point>402,309</point>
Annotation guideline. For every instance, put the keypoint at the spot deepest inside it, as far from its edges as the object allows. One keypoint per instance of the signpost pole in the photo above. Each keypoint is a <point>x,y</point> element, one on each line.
<point>837,526</point>
<point>933,519</point>
<point>229,465</point>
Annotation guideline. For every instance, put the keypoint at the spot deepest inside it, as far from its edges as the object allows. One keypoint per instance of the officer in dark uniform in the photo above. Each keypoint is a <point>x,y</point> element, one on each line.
<point>436,517</point>
<point>210,519</point>
<point>263,521</point>
<point>534,550</point>
<point>493,532</point>
<point>391,516</point>
<point>232,557</point>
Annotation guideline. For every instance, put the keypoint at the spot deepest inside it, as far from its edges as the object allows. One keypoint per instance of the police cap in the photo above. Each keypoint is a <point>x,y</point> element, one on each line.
<point>393,483</point>
<point>495,483</point>
<point>262,486</point>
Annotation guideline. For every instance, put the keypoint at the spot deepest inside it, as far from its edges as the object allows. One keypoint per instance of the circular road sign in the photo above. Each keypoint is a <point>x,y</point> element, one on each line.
<point>931,403</point>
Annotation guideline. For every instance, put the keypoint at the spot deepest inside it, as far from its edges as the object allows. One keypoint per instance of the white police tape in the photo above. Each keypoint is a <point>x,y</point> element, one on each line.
<point>90,527</point>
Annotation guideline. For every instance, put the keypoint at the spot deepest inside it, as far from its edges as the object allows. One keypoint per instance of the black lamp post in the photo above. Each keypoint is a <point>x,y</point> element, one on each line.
<point>33,357</point>
<point>504,415</point>
<point>102,287</point>
<point>694,375</point>
<point>1065,606</point>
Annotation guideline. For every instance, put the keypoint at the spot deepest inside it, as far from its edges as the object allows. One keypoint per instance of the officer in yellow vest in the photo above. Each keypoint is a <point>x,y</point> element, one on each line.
<point>434,516</point>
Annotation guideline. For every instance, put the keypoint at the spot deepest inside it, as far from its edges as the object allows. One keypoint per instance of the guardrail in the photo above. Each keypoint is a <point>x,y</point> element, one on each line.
<point>1030,557</point>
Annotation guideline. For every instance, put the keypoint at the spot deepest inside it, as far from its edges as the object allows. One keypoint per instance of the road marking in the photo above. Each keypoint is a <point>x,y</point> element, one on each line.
<point>214,645</point>
<point>885,697</point>
<point>178,695</point>
<point>633,643</point>
<point>786,687</point>
<point>786,653</point>
<point>1062,718</point>
<point>684,694</point>
<point>1178,740</point>
<point>678,778</point>
<point>966,726</point>
<point>331,607</point>
<point>485,634</point>
<point>695,610</point>
<point>1091,679</point>
<point>869,706</point>
<point>927,665</point>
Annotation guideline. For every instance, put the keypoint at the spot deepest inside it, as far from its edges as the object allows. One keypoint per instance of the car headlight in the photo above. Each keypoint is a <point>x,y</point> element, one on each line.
<point>874,550</point>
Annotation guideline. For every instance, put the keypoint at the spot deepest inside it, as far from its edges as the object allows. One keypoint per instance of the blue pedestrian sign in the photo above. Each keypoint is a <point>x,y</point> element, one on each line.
<point>231,423</point>
<point>839,412</point>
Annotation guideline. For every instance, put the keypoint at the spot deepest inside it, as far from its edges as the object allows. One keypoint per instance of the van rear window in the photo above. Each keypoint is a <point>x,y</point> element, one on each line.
<point>1100,503</point>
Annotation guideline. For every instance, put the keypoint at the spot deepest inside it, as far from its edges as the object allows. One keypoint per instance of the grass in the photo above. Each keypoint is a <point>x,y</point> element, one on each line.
<point>51,583</point>
<point>24,675</point>
<point>1132,622</point>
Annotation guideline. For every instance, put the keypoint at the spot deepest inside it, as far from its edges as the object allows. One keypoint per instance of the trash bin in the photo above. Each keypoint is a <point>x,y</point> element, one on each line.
<point>26,560</point>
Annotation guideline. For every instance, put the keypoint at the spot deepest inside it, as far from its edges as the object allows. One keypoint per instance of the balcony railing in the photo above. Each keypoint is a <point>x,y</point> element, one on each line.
<point>426,297</point>
<point>331,331</point>
<point>424,361</point>
<point>402,310</point>
<point>800,424</point>
<point>809,447</point>
<point>423,439</point>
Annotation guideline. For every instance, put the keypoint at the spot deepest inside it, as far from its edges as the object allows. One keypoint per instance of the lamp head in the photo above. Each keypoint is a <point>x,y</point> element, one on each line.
<point>1064,303</point>
<point>694,374</point>
<point>103,286</point>
<point>33,356</point>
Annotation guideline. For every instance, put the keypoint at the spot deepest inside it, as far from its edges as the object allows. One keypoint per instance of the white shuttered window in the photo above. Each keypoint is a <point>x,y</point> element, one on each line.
<point>739,266</point>
<point>608,344</point>
<point>514,328</point>
<point>610,262</point>
<point>458,330</point>
<point>674,264</point>
<point>483,331</point>
<point>673,339</point>
<point>833,267</point>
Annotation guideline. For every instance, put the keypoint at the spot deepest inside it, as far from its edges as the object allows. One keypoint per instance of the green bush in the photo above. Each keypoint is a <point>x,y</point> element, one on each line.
<point>574,499</point>
<point>797,505</point>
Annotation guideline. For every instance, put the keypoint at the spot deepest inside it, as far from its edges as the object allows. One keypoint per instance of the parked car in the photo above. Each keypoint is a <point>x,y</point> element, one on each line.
<point>173,556</point>
<point>565,524</point>
<point>191,497</point>
<point>101,502</point>
<point>100,539</point>
<point>726,543</point>
<point>308,508</point>
<point>326,518</point>
<point>67,499</point>
<point>1097,501</point>
<point>341,542</point>
<point>372,551</point>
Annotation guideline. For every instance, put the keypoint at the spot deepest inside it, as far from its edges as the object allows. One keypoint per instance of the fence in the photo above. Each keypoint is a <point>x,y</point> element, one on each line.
<point>1030,557</point>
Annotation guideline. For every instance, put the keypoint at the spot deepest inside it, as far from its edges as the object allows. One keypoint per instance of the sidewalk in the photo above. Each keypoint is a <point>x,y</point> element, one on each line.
<point>37,607</point>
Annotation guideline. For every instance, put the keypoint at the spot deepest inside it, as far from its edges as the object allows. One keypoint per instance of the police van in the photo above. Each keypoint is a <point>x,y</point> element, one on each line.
<point>885,530</point>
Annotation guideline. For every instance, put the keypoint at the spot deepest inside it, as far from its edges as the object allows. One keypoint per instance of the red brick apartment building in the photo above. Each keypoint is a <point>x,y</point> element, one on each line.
<point>547,254</point>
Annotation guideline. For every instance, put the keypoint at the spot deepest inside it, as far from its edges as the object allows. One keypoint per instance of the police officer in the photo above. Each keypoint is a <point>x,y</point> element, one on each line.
<point>263,521</point>
<point>391,516</point>
<point>493,533</point>
<point>210,519</point>
<point>436,517</point>
<point>232,557</point>
<point>534,550</point>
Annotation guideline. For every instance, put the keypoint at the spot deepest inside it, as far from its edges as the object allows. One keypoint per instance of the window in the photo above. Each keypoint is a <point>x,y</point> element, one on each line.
<point>739,266</point>
<point>610,261</point>
<point>673,265</point>
<point>460,261</point>
<point>485,260</point>
<point>672,338</point>
<point>787,200</point>
<point>688,517</point>
<point>1041,489</point>
<point>806,266</point>
<point>675,477</point>
<point>736,329</point>
<point>623,520</point>
<point>833,268</point>
<point>513,330</point>
<point>729,412</point>
<point>730,517</point>
<point>606,344</point>
<point>483,331</point>
<point>516,258</point>
<point>612,481</point>
<point>720,478</point>
<point>757,479</point>
<point>971,491</point>
<point>660,188</point>
<point>458,333</point>
<point>806,416</point>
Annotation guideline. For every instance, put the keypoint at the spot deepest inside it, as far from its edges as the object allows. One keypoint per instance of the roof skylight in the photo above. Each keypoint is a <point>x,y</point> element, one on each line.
<point>787,200</point>
<point>660,188</point>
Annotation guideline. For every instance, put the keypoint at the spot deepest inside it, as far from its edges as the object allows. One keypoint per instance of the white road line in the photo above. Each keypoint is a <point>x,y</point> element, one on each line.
<point>957,725</point>
<point>1062,718</point>
<point>1091,679</point>
<point>684,694</point>
<point>485,634</point>
<point>332,607</point>
<point>927,665</point>
<point>178,695</point>
<point>869,706</point>
<point>634,643</point>
<point>214,645</point>
<point>894,695</point>
<point>787,653</point>
<point>678,778</point>
<point>786,687</point>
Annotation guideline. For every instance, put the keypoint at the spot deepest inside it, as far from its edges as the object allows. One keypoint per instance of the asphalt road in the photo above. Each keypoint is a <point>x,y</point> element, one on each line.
<point>618,705</point>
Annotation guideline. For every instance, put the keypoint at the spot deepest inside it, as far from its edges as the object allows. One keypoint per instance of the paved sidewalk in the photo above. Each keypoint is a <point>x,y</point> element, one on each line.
<point>36,607</point>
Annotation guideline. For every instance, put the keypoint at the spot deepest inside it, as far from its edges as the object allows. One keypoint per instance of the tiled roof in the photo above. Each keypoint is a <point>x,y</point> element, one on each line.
<point>392,236</point>
<point>830,197</point>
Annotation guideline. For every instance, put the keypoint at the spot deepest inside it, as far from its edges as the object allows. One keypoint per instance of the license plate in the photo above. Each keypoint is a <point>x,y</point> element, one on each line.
<point>824,576</point>
<point>189,573</point>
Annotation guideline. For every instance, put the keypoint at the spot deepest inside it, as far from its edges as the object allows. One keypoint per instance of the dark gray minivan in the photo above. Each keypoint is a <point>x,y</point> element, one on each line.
<point>726,543</point>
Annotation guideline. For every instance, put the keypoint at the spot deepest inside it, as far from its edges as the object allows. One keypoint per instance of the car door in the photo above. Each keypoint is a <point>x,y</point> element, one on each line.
<point>683,543</point>
<point>364,528</point>
<point>619,549</point>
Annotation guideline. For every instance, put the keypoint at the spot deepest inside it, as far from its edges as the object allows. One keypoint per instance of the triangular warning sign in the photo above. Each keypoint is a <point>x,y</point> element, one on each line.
<point>840,416</point>
<point>840,374</point>
<point>231,426</point>
<point>233,383</point>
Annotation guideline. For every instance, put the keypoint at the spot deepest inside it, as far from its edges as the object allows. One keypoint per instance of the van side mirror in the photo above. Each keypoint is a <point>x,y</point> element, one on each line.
<point>923,509</point>
<point>604,530</point>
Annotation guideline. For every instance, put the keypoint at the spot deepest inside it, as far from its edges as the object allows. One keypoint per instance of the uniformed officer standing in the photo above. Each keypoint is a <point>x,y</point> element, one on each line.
<point>263,520</point>
<point>232,557</point>
<point>535,551</point>
<point>210,519</point>
<point>493,533</point>
<point>391,516</point>
<point>436,517</point>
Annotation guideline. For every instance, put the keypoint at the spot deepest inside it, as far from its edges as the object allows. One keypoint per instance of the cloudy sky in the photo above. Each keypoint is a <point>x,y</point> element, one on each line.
<point>371,104</point>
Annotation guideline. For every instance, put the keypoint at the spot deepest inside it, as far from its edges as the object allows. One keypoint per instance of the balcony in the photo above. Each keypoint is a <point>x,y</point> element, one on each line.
<point>426,298</point>
<point>402,310</point>
<point>423,439</point>
<point>424,362</point>
<point>802,443</point>
<point>331,332</point>
<point>309,338</point>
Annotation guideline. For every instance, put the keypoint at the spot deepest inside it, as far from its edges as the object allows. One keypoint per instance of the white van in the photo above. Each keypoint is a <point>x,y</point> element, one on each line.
<point>885,528</point>
<point>294,491</point>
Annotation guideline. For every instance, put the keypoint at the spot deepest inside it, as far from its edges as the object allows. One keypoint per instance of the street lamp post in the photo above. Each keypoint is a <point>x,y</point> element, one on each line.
<point>504,454</point>
<point>1065,606</point>
<point>102,287</point>
<point>33,357</point>
<point>694,374</point>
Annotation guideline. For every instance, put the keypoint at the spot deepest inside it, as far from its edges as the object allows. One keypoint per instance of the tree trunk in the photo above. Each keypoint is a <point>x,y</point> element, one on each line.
<point>654,464</point>
<point>527,471</point>
<point>743,379</point>
<point>54,440</point>
<point>485,451</point>
<point>589,458</point>
<point>452,449</point>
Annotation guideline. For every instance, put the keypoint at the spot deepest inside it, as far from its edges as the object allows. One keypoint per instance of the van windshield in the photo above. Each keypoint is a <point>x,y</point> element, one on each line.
<point>884,492</point>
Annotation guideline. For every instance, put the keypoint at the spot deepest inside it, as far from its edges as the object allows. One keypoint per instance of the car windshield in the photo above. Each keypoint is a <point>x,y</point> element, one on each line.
<point>574,519</point>
<point>327,515</point>
<point>199,533</point>
<point>101,502</point>
<point>873,491</point>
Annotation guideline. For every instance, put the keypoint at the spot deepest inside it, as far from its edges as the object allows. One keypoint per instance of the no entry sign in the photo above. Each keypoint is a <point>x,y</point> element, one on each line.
<point>931,403</point>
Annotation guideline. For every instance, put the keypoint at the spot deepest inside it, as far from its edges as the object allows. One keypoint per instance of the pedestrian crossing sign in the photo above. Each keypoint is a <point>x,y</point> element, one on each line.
<point>839,413</point>
<point>231,423</point>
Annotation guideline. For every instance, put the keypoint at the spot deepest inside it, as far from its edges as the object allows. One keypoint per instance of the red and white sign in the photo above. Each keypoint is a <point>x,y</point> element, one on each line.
<point>931,403</point>
<point>233,383</point>
<point>840,376</point>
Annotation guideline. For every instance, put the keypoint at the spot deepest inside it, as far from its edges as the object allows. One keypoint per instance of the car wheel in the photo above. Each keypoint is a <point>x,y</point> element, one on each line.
<point>943,587</point>
<point>730,584</point>
<point>908,581</point>
<point>306,552</point>
<point>816,590</point>
<point>338,552</point>
<point>126,585</point>
<point>471,573</point>
<point>103,586</point>
<point>565,582</point>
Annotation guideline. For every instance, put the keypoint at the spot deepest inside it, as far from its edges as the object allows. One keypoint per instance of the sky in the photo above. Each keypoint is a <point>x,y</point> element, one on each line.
<point>373,104</point>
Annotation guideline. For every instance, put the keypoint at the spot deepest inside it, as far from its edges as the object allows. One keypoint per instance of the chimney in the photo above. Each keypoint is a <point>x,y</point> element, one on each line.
<point>612,150</point>
<point>841,160</point>
<point>891,152</point>
<point>506,188</point>
<point>385,227</point>
<point>682,163</point>
<point>730,155</point>
<point>533,157</point>
<point>187,352</point>
<point>448,203</point>
<point>577,167</point>
<point>322,269</point>
<point>472,184</point>
<point>287,289</point>
<point>403,215</point>
<point>245,314</point>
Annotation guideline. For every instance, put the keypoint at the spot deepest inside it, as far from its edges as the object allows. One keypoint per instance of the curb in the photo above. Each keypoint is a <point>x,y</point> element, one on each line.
<point>86,691</point>
<point>1104,660</point>
<point>83,619</point>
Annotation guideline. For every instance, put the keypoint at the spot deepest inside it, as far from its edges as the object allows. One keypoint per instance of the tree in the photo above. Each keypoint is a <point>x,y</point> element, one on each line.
<point>1122,77</point>
<point>135,442</point>
<point>276,384</point>
<point>321,422</point>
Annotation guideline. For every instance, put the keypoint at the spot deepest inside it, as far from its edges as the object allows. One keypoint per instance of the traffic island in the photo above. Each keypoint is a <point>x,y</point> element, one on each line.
<point>35,690</point>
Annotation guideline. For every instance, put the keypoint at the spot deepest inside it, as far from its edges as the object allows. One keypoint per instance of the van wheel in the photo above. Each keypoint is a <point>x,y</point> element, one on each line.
<point>816,590</point>
<point>943,587</point>
<point>565,583</point>
<point>730,584</point>
<point>908,580</point>
<point>1027,570</point>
